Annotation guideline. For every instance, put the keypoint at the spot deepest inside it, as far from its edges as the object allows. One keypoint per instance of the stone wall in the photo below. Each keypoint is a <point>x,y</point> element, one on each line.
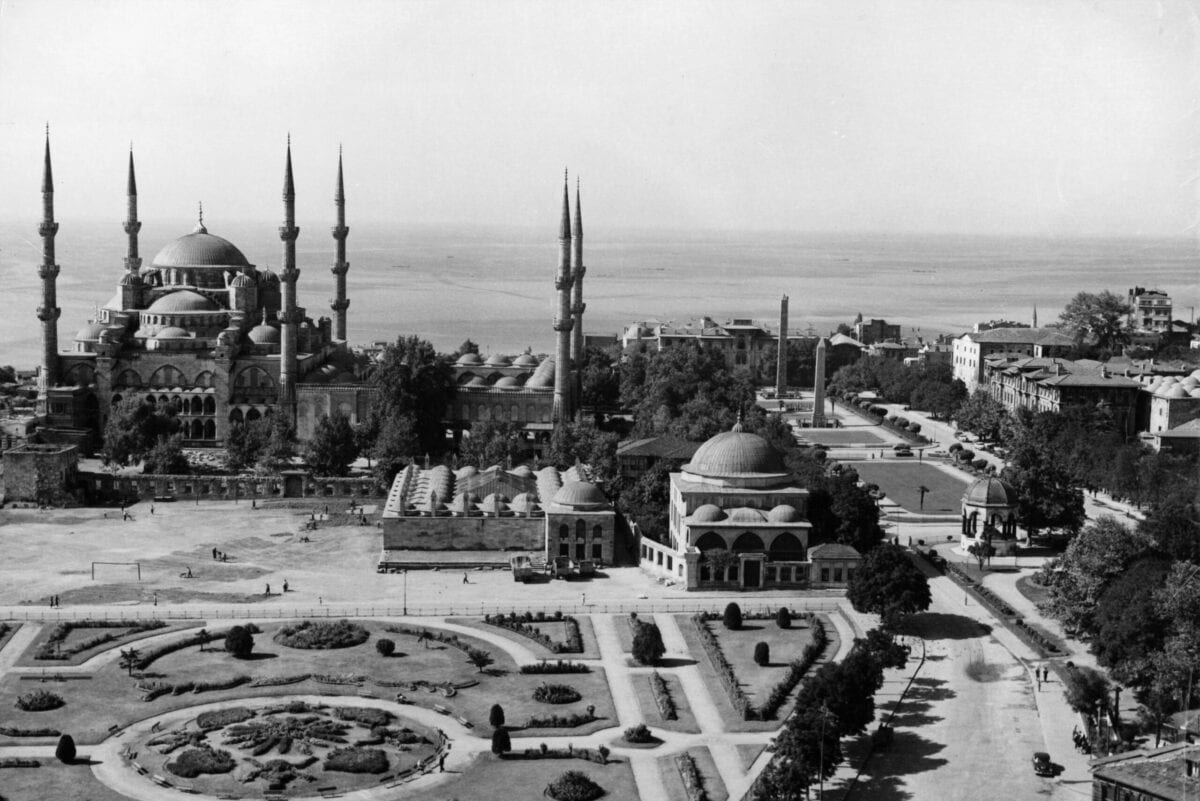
<point>464,533</point>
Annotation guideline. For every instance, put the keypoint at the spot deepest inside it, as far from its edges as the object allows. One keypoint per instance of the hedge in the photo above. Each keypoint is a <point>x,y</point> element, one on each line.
<point>557,666</point>
<point>357,760</point>
<point>50,650</point>
<point>196,639</point>
<point>523,625</point>
<point>662,696</point>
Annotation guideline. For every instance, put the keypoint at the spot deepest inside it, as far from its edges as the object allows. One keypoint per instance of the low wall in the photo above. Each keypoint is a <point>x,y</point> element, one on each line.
<point>464,533</point>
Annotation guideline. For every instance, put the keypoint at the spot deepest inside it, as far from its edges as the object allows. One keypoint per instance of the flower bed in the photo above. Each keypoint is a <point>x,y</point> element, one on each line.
<point>322,634</point>
<point>205,759</point>
<point>559,721</point>
<point>558,666</point>
<point>39,701</point>
<point>158,690</point>
<point>796,670</point>
<point>556,694</point>
<point>52,648</point>
<point>693,782</point>
<point>737,696</point>
<point>279,681</point>
<point>524,625</point>
<point>357,760</point>
<point>662,697</point>
<point>9,731</point>
<point>178,645</point>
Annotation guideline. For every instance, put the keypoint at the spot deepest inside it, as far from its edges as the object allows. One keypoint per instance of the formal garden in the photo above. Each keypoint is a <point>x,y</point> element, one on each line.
<point>902,482</point>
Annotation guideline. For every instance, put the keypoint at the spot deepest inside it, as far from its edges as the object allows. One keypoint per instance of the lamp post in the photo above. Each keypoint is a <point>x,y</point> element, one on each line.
<point>821,744</point>
<point>405,590</point>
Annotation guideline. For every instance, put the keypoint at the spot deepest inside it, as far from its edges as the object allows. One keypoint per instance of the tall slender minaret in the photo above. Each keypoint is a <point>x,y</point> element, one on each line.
<point>563,323</point>
<point>781,359</point>
<point>818,416</point>
<point>341,266</point>
<point>49,311</point>
<point>288,316</point>
<point>577,304</point>
<point>1035,315</point>
<point>133,262</point>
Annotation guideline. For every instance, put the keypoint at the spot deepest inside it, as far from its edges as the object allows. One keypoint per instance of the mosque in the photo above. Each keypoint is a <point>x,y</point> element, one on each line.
<point>199,328</point>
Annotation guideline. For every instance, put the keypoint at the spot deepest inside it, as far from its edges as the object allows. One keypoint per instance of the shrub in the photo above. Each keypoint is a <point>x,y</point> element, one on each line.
<point>560,721</point>
<point>322,634</point>
<point>648,645</point>
<point>10,731</point>
<point>39,701</point>
<point>762,654</point>
<point>205,759</point>
<point>980,464</point>
<point>556,694</point>
<point>914,427</point>
<point>662,696</point>
<point>965,455</point>
<point>385,647</point>
<point>357,760</point>
<point>368,716</point>
<point>220,718</point>
<point>557,666</point>
<point>891,418</point>
<point>783,618</point>
<point>638,734</point>
<point>955,448</point>
<point>501,742</point>
<point>732,617</point>
<point>65,750</point>
<point>239,642</point>
<point>496,716</point>
<point>574,786</point>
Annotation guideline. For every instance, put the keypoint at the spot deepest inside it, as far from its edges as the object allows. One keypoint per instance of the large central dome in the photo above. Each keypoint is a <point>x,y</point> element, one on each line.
<point>200,249</point>
<point>735,453</point>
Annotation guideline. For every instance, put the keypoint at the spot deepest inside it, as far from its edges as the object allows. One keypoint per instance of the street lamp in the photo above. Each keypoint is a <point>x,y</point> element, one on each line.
<point>405,571</point>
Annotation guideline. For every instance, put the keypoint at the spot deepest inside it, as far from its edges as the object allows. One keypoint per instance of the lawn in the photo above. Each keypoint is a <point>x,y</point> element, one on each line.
<point>684,721</point>
<point>748,752</point>
<point>80,635</point>
<point>842,436</point>
<point>900,481</point>
<point>7,630</point>
<point>54,780</point>
<point>556,630</point>
<point>112,698</point>
<point>490,779</point>
<point>738,646</point>
<point>714,788</point>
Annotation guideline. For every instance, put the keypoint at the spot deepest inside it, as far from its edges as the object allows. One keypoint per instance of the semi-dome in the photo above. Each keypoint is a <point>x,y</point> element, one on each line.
<point>508,382</point>
<point>264,334</point>
<point>241,280</point>
<point>734,453</point>
<point>477,381</point>
<point>172,332</point>
<point>784,513</point>
<point>708,513</point>
<point>524,503</point>
<point>200,249</point>
<point>990,491</point>
<point>580,495</point>
<point>90,332</point>
<point>744,514</point>
<point>182,300</point>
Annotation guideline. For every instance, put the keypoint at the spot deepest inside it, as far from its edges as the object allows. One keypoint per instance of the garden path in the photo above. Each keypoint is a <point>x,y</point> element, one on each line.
<point>21,640</point>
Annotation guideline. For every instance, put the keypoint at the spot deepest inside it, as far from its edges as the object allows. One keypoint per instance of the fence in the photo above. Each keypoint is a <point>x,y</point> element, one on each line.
<point>340,610</point>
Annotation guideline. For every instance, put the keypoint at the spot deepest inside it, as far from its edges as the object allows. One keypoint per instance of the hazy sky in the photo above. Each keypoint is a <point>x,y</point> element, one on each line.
<point>1027,116</point>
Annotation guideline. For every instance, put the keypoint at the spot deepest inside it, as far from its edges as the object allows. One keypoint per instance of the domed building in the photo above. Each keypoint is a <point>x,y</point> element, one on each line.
<point>738,519</point>
<point>989,514</point>
<point>202,330</point>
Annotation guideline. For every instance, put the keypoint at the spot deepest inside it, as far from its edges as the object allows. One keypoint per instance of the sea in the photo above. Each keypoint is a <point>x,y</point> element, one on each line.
<point>495,286</point>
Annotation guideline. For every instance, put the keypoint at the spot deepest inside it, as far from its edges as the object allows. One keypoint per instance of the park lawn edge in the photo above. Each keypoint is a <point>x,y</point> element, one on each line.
<point>26,659</point>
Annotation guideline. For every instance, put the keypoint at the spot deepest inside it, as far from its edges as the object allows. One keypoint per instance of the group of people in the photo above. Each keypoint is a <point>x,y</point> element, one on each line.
<point>54,601</point>
<point>220,556</point>
<point>1081,741</point>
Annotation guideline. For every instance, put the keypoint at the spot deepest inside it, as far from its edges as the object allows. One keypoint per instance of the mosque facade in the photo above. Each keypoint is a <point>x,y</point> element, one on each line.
<point>200,329</point>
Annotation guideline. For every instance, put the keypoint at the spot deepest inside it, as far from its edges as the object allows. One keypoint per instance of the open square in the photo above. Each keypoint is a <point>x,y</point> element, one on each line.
<point>901,480</point>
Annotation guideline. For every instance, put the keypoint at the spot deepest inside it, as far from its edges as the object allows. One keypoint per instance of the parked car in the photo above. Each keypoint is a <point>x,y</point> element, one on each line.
<point>1041,764</point>
<point>904,452</point>
<point>900,446</point>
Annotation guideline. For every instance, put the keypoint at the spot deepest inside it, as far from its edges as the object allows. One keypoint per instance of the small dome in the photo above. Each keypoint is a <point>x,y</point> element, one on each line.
<point>521,470</point>
<point>242,280</point>
<point>497,360</point>
<point>990,492</point>
<point>735,453</point>
<point>90,332</point>
<point>469,359</point>
<point>525,360</point>
<point>580,495</point>
<point>464,502</point>
<point>264,334</point>
<point>183,300</point>
<point>540,380</point>
<point>1175,391</point>
<point>508,382</point>
<point>477,381</point>
<point>495,503</point>
<point>200,249</point>
<point>708,513</point>
<point>466,472</point>
<point>784,513</point>
<point>744,514</point>
<point>172,332</point>
<point>524,503</point>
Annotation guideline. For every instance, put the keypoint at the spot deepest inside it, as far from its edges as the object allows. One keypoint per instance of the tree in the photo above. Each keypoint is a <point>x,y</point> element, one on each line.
<point>573,442</point>
<point>239,642</point>
<point>1086,688</point>
<point>783,618</point>
<point>889,584</point>
<point>496,716</point>
<point>202,635</point>
<point>1129,621</point>
<point>985,416</point>
<point>603,751</point>
<point>648,645</point>
<point>940,399</point>
<point>982,550</point>
<point>923,490</point>
<point>280,445</point>
<point>129,659</point>
<point>719,560</point>
<point>732,617</point>
<point>245,442</point>
<point>1048,496</point>
<point>600,378</point>
<point>807,749</point>
<point>385,647</point>
<point>415,381</point>
<point>333,446</point>
<point>762,654</point>
<point>490,443</point>
<point>134,427</point>
<point>501,742</point>
<point>1098,317</point>
<point>479,658</point>
<point>65,752</point>
<point>1091,560</point>
<point>166,457</point>
<point>394,445</point>
<point>646,500</point>
<point>467,346</point>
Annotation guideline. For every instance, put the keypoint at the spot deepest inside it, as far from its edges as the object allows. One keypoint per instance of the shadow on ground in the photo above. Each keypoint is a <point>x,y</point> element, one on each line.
<point>944,626</point>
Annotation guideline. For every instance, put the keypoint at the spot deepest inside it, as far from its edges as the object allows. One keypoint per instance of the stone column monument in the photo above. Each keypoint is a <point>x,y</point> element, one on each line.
<point>818,415</point>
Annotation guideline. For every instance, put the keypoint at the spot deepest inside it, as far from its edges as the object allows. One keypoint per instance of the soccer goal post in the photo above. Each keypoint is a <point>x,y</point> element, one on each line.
<point>122,569</point>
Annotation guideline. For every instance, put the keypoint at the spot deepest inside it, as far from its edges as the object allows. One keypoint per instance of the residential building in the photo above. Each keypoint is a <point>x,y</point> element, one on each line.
<point>971,350</point>
<point>1149,310</point>
<point>1054,384</point>
<point>872,331</point>
<point>1170,773</point>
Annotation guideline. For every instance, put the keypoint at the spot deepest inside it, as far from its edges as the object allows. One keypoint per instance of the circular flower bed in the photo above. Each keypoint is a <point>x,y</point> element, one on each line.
<point>205,759</point>
<point>39,701</point>
<point>556,694</point>
<point>574,786</point>
<point>322,634</point>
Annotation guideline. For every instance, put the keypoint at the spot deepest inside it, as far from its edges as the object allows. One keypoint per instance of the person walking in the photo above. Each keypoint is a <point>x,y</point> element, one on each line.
<point>465,579</point>
<point>285,585</point>
<point>268,592</point>
<point>442,764</point>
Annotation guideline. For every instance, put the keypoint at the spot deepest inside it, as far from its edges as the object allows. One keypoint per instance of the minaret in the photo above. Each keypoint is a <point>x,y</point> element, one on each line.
<point>818,416</point>
<point>781,375</point>
<point>341,302</point>
<point>563,323</point>
<point>1035,315</point>
<point>287,348</point>
<point>577,304</point>
<point>49,311</point>
<point>133,263</point>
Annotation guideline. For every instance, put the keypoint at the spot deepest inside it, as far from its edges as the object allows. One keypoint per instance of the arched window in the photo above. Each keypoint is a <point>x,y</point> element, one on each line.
<point>709,541</point>
<point>210,429</point>
<point>167,376</point>
<point>205,379</point>
<point>597,533</point>
<point>564,531</point>
<point>787,547</point>
<point>580,529</point>
<point>253,415</point>
<point>748,541</point>
<point>197,429</point>
<point>128,378</point>
<point>236,416</point>
<point>116,400</point>
<point>197,405</point>
<point>253,378</point>
<point>210,405</point>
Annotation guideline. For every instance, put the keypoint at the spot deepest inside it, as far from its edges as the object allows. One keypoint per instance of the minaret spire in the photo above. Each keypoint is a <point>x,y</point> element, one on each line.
<point>49,312</point>
<point>133,263</point>
<point>340,266</point>
<point>563,322</point>
<point>289,316</point>
<point>577,304</point>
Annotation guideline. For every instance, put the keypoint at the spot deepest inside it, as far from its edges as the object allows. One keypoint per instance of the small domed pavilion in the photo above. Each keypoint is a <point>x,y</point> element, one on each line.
<point>989,513</point>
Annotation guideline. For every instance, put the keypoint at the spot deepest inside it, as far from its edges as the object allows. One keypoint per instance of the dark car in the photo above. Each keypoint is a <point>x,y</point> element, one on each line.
<point>1041,764</point>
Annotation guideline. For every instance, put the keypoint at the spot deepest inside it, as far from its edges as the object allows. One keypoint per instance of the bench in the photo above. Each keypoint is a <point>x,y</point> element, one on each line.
<point>441,710</point>
<point>464,722</point>
<point>160,780</point>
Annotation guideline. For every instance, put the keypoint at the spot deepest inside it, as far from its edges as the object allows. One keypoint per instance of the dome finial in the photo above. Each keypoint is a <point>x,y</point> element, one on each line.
<point>200,229</point>
<point>737,427</point>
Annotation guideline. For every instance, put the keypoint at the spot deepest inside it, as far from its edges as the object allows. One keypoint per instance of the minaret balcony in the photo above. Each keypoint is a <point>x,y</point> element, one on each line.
<point>340,231</point>
<point>340,268</point>
<point>564,325</point>
<point>340,305</point>
<point>48,314</point>
<point>47,229</point>
<point>562,282</point>
<point>133,227</point>
<point>48,271</point>
<point>579,308</point>
<point>288,233</point>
